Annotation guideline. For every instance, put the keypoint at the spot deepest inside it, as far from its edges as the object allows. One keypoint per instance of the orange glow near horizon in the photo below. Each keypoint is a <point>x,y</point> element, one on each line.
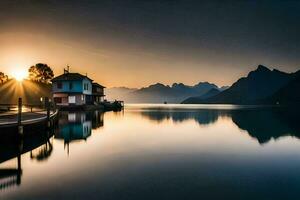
<point>19,74</point>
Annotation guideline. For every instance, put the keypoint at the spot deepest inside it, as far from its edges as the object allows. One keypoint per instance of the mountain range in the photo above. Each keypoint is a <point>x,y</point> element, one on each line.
<point>261,86</point>
<point>194,100</point>
<point>159,93</point>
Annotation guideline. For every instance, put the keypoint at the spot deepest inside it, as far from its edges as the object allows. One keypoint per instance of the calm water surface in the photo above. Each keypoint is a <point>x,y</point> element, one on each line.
<point>161,152</point>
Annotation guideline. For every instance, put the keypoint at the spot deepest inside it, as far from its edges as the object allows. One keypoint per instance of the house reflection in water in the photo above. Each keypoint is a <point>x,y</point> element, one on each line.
<point>97,121</point>
<point>75,126</point>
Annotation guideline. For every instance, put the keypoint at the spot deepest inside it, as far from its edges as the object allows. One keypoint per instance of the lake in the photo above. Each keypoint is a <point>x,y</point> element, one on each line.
<point>160,152</point>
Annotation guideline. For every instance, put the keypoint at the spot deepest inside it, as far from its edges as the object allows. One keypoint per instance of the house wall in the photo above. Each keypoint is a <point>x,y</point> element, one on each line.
<point>98,99</point>
<point>80,99</point>
<point>77,87</point>
<point>87,90</point>
<point>63,97</point>
<point>98,90</point>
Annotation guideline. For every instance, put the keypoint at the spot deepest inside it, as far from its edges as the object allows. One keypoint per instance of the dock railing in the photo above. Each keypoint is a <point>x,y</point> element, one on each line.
<point>19,114</point>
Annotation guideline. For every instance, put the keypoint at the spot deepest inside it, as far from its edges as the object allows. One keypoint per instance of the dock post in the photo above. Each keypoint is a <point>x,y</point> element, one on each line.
<point>20,127</point>
<point>19,170</point>
<point>19,167</point>
<point>47,104</point>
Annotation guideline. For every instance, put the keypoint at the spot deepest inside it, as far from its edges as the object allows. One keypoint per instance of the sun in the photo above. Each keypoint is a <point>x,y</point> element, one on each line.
<point>19,74</point>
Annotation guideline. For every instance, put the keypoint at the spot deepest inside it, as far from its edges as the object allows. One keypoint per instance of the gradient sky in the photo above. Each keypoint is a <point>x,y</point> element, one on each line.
<point>135,43</point>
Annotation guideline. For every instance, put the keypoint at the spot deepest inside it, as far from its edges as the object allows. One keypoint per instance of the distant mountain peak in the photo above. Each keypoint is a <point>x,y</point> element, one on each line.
<point>262,68</point>
<point>259,72</point>
<point>258,85</point>
<point>205,84</point>
<point>122,88</point>
<point>158,85</point>
<point>177,84</point>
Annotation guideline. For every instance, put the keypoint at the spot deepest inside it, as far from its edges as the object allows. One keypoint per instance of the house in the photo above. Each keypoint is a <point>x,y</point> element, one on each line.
<point>72,89</point>
<point>98,93</point>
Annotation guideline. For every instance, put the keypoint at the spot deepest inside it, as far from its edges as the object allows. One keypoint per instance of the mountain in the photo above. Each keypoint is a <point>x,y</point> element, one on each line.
<point>194,100</point>
<point>259,84</point>
<point>224,88</point>
<point>159,93</point>
<point>119,93</point>
<point>176,93</point>
<point>288,94</point>
<point>30,91</point>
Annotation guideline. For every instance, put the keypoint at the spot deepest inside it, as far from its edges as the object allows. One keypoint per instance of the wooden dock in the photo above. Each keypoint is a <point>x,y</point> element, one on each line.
<point>11,119</point>
<point>20,115</point>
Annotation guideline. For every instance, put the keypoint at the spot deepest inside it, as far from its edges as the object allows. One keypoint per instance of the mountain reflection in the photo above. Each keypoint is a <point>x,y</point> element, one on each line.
<point>267,124</point>
<point>262,124</point>
<point>203,117</point>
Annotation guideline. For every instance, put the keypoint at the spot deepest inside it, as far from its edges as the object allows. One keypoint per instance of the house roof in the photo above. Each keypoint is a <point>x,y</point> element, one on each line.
<point>98,85</point>
<point>70,77</point>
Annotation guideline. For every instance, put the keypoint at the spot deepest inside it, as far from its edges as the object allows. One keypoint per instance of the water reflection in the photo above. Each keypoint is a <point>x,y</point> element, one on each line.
<point>182,151</point>
<point>74,126</point>
<point>43,152</point>
<point>11,149</point>
<point>97,119</point>
<point>71,126</point>
<point>11,176</point>
<point>263,124</point>
<point>203,117</point>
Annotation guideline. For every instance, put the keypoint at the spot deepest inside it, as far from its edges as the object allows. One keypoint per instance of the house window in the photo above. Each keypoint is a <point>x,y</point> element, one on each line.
<point>59,85</point>
<point>71,117</point>
<point>70,85</point>
<point>57,99</point>
<point>86,86</point>
<point>72,99</point>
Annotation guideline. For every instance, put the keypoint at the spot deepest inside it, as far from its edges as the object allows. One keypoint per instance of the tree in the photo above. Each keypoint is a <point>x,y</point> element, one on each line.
<point>40,73</point>
<point>3,78</point>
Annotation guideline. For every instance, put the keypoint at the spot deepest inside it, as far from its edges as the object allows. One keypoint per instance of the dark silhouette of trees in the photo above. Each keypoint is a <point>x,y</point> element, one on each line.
<point>40,73</point>
<point>3,78</point>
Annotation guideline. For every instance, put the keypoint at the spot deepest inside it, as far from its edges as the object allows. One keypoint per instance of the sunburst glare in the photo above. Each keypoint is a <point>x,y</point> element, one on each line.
<point>20,74</point>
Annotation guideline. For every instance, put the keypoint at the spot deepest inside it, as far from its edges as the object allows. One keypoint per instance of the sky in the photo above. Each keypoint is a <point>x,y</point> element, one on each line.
<point>135,43</point>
